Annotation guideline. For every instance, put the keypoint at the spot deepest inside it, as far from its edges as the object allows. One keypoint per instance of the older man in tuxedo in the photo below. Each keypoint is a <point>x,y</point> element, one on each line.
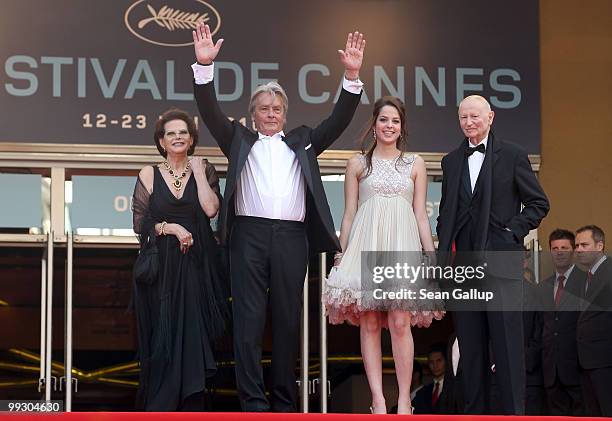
<point>490,200</point>
<point>274,211</point>
<point>594,326</point>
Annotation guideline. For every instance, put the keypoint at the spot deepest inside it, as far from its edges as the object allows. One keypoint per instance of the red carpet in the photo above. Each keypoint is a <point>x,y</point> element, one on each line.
<point>236,416</point>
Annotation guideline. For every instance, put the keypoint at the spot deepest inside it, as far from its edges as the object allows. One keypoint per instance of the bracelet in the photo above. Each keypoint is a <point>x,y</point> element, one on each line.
<point>161,229</point>
<point>338,255</point>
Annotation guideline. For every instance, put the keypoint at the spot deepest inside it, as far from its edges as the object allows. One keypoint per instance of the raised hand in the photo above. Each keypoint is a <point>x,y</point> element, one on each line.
<point>352,56</point>
<point>197,166</point>
<point>205,49</point>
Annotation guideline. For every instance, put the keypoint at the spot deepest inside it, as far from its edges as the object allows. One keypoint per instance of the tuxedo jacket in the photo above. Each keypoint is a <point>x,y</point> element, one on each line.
<point>559,349</point>
<point>594,327</point>
<point>505,182</point>
<point>236,141</point>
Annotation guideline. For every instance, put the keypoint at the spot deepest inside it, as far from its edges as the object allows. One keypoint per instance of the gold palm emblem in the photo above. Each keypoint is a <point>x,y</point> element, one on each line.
<point>172,19</point>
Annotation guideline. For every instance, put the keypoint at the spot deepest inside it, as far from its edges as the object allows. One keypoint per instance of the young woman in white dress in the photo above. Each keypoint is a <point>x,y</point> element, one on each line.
<point>385,192</point>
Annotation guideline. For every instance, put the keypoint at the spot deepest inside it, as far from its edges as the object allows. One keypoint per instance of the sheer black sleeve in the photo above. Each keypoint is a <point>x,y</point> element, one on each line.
<point>143,221</point>
<point>213,179</point>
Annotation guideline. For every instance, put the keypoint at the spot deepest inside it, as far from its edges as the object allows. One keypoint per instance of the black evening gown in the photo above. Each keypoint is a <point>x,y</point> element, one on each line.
<point>184,310</point>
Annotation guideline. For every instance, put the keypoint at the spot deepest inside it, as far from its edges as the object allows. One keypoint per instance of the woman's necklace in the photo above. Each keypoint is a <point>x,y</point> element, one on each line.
<point>178,179</point>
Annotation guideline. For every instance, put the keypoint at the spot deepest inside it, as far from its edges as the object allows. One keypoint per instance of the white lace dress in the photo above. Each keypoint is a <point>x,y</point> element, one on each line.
<point>384,221</point>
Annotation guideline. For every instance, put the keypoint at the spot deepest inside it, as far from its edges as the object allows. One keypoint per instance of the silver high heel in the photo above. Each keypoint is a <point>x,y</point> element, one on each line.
<point>372,410</point>
<point>409,413</point>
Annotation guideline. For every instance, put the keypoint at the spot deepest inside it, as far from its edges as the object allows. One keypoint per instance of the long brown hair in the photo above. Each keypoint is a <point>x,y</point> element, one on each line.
<point>368,143</point>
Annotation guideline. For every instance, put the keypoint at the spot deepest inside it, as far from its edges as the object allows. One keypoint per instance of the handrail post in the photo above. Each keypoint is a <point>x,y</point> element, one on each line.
<point>323,336</point>
<point>304,382</point>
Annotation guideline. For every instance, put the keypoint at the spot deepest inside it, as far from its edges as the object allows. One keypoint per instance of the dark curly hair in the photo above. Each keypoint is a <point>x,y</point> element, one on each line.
<point>175,114</point>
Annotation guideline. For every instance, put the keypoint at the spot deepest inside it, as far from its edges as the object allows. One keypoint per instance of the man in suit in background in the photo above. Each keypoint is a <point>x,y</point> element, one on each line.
<point>433,398</point>
<point>561,294</point>
<point>594,327</point>
<point>485,182</point>
<point>275,209</point>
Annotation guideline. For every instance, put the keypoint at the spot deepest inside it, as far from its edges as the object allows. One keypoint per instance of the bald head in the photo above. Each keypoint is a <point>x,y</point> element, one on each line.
<point>475,118</point>
<point>477,100</point>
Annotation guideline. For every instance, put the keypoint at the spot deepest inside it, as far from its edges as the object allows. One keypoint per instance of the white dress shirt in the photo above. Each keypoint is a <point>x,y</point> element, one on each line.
<point>597,264</point>
<point>475,162</point>
<point>566,274</point>
<point>271,184</point>
<point>593,269</point>
<point>440,381</point>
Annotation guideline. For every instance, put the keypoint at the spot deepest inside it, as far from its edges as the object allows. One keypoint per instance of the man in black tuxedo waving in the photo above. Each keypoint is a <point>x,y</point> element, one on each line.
<point>274,211</point>
<point>485,182</point>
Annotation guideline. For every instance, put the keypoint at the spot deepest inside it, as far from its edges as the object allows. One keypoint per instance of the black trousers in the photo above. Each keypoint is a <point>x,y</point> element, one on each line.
<point>500,332</point>
<point>535,400</point>
<point>194,403</point>
<point>268,260</point>
<point>564,400</point>
<point>597,388</point>
<point>504,331</point>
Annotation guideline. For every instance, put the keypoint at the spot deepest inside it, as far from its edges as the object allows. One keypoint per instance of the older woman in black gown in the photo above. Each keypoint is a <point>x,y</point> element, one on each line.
<point>182,308</point>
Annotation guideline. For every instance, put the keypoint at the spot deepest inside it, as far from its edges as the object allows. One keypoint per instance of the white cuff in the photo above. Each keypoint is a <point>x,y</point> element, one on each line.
<point>203,74</point>
<point>353,86</point>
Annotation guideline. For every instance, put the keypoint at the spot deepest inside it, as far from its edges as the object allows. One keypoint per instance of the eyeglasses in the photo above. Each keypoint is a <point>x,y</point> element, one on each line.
<point>174,135</point>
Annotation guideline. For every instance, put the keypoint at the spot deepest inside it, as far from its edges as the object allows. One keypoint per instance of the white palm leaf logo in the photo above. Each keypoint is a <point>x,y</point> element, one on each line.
<point>172,19</point>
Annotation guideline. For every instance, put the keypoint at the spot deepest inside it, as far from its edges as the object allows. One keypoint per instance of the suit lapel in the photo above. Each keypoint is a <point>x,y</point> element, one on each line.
<point>549,290</point>
<point>245,148</point>
<point>296,143</point>
<point>572,290</point>
<point>292,139</point>
<point>458,165</point>
<point>566,295</point>
<point>484,187</point>
<point>246,143</point>
<point>598,282</point>
<point>465,177</point>
<point>453,169</point>
<point>491,157</point>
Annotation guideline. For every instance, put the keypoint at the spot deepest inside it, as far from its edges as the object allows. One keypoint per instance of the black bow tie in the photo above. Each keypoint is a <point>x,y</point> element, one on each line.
<point>480,148</point>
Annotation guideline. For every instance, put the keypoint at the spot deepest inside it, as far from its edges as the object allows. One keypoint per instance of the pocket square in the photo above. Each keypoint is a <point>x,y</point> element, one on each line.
<point>308,147</point>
